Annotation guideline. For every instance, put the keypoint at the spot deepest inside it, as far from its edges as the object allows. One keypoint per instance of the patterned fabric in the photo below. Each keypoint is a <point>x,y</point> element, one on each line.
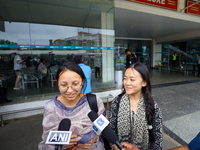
<point>55,111</point>
<point>138,127</point>
<point>157,125</point>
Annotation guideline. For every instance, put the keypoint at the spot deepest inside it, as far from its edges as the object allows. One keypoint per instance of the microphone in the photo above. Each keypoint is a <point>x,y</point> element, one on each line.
<point>63,126</point>
<point>107,132</point>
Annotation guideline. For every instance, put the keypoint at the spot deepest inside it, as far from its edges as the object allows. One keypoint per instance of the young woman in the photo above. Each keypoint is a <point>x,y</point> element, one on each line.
<point>73,105</point>
<point>134,116</point>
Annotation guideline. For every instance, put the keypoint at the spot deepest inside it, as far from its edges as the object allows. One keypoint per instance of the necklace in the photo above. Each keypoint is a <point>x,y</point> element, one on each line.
<point>134,107</point>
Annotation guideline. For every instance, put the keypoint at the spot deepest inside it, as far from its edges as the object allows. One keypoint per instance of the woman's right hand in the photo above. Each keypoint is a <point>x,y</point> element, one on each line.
<point>129,146</point>
<point>73,142</point>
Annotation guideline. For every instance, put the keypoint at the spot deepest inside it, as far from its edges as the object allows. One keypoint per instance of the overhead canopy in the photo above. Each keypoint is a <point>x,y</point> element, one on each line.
<point>79,13</point>
<point>129,23</point>
<point>133,20</point>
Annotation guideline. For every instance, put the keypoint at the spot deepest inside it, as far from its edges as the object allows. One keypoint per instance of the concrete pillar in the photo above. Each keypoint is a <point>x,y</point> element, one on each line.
<point>153,53</point>
<point>107,24</point>
<point>181,6</point>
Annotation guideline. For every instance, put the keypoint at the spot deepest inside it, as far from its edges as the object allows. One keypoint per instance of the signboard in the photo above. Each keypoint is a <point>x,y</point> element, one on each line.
<point>54,47</point>
<point>167,4</point>
<point>194,9</point>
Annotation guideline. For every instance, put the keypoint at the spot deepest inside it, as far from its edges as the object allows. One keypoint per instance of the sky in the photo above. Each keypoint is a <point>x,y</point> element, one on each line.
<point>42,33</point>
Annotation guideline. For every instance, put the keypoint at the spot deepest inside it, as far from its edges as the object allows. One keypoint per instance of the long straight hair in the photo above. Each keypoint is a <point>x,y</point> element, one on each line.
<point>148,100</point>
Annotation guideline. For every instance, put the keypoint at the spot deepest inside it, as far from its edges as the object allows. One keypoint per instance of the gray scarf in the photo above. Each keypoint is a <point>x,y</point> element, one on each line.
<point>135,132</point>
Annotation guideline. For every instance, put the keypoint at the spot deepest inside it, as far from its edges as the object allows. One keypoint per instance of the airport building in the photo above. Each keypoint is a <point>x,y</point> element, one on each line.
<point>99,31</point>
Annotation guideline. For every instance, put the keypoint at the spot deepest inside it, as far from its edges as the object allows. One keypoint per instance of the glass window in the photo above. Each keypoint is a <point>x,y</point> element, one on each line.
<point>140,48</point>
<point>44,31</point>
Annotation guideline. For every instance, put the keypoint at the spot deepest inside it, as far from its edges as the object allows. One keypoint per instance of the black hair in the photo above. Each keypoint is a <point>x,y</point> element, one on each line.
<point>148,100</point>
<point>73,67</point>
<point>127,50</point>
<point>41,60</point>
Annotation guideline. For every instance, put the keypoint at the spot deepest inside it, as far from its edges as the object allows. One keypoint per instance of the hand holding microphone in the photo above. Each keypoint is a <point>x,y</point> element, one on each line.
<point>107,132</point>
<point>88,144</point>
<point>62,136</point>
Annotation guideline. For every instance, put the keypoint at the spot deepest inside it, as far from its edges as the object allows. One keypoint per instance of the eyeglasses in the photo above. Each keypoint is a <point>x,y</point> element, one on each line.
<point>75,87</point>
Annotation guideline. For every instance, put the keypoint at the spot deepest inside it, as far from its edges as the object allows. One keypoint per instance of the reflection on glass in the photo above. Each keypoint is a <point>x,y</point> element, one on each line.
<point>57,44</point>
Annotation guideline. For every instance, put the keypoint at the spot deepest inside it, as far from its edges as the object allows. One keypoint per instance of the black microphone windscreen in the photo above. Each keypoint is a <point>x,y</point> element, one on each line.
<point>92,115</point>
<point>64,125</point>
<point>109,135</point>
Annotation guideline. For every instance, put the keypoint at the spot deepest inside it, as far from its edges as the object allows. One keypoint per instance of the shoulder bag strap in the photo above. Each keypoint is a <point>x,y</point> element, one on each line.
<point>91,98</point>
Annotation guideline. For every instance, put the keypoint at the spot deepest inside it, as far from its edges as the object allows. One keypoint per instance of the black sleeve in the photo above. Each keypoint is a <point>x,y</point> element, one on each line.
<point>127,61</point>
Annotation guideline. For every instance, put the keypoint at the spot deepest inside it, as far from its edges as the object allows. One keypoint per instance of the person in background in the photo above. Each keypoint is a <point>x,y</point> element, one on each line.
<point>88,74</point>
<point>180,62</point>
<point>28,62</point>
<point>68,59</point>
<point>1,62</point>
<point>71,104</point>
<point>198,65</point>
<point>183,61</point>
<point>18,62</point>
<point>3,95</point>
<point>193,145</point>
<point>128,58</point>
<point>195,59</point>
<point>97,63</point>
<point>11,62</point>
<point>42,67</point>
<point>3,90</point>
<point>134,116</point>
<point>174,60</point>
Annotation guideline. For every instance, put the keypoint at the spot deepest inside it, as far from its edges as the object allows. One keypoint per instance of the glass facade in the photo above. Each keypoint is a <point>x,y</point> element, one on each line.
<point>185,58</point>
<point>56,31</point>
<point>162,57</point>
<point>193,50</point>
<point>141,48</point>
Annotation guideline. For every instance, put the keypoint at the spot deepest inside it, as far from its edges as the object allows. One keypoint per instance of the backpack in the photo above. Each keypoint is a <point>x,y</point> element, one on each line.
<point>93,106</point>
<point>133,58</point>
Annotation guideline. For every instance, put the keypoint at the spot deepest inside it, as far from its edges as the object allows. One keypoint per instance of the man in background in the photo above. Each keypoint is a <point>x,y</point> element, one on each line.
<point>128,58</point>
<point>17,68</point>
<point>87,72</point>
<point>97,63</point>
<point>174,60</point>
